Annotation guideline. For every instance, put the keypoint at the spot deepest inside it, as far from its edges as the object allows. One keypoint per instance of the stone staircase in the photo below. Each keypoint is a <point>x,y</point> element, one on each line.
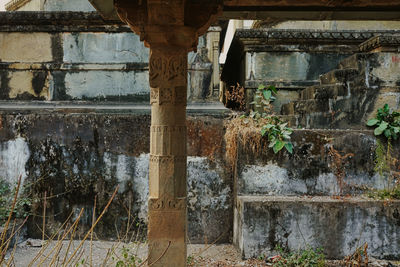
<point>346,96</point>
<point>317,196</point>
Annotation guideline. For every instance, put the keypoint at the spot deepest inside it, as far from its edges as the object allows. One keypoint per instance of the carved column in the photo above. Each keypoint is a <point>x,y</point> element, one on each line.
<point>167,203</point>
<point>171,29</point>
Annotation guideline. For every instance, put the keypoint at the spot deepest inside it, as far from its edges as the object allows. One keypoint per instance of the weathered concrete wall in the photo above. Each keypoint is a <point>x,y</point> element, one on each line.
<point>289,59</point>
<point>311,170</point>
<point>292,200</point>
<point>78,56</point>
<point>56,5</point>
<point>349,95</point>
<point>337,226</point>
<point>79,156</point>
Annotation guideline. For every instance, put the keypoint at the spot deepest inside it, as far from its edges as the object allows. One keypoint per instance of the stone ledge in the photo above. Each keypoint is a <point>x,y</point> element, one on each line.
<point>16,107</point>
<point>287,36</point>
<point>61,21</point>
<point>386,43</point>
<point>74,66</point>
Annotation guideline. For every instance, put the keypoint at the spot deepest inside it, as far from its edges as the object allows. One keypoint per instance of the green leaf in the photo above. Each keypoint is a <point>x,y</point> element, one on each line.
<point>269,126</point>
<point>372,122</point>
<point>273,89</point>
<point>386,108</point>
<point>387,133</point>
<point>381,128</point>
<point>261,87</point>
<point>278,146</point>
<point>267,94</point>
<point>396,129</point>
<point>264,131</point>
<point>378,131</point>
<point>289,147</point>
<point>272,143</point>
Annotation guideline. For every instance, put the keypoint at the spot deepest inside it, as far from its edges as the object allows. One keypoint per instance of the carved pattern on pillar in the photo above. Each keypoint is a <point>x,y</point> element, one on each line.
<point>164,203</point>
<point>166,68</point>
<point>175,96</point>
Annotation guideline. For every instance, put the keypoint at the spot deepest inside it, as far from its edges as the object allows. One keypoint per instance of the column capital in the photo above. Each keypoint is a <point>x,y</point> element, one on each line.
<point>169,23</point>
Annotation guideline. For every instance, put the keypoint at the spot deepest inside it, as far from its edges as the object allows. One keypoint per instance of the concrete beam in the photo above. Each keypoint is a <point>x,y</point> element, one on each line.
<point>293,9</point>
<point>283,15</point>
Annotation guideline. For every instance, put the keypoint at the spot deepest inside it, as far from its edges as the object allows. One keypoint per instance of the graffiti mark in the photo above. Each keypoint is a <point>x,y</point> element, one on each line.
<point>395,59</point>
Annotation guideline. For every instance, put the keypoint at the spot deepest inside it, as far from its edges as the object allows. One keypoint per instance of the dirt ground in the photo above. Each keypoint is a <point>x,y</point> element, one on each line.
<point>106,253</point>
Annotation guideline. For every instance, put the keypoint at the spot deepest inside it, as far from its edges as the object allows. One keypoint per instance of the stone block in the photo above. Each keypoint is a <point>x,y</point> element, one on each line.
<point>105,84</point>
<point>338,76</point>
<point>336,225</point>
<point>27,85</point>
<point>25,47</point>
<point>390,96</point>
<point>103,47</point>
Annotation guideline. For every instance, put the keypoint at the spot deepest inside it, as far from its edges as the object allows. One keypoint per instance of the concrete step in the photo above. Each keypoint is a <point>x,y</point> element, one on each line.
<point>352,62</point>
<point>305,107</point>
<point>323,92</point>
<point>338,76</point>
<point>336,225</point>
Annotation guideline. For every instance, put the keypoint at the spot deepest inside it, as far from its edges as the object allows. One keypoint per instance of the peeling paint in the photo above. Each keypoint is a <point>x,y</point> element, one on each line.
<point>14,155</point>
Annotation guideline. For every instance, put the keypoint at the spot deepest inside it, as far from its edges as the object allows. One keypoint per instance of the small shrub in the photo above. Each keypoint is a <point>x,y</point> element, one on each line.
<point>263,98</point>
<point>388,168</point>
<point>235,98</point>
<point>303,258</point>
<point>386,123</point>
<point>278,135</point>
<point>22,206</point>
<point>393,193</point>
<point>358,258</point>
<point>127,259</point>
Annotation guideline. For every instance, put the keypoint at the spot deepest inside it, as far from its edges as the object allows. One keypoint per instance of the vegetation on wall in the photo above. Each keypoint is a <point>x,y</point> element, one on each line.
<point>386,122</point>
<point>252,128</point>
<point>388,167</point>
<point>263,99</point>
<point>236,98</point>
<point>22,205</point>
<point>306,258</point>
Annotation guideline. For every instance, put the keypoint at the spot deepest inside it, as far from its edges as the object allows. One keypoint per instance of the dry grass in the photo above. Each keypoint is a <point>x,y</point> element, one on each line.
<point>246,132</point>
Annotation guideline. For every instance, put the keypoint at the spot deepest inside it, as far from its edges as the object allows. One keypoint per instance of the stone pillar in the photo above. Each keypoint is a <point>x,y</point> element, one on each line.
<point>171,29</point>
<point>167,202</point>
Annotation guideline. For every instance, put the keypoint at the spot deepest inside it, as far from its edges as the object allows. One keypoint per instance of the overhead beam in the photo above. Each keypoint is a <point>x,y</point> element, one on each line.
<point>311,15</point>
<point>293,9</point>
<point>307,4</point>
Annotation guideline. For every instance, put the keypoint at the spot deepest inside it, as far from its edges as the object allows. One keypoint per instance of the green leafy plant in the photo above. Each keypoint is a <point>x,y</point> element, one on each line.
<point>308,257</point>
<point>264,97</point>
<point>277,131</point>
<point>127,258</point>
<point>387,166</point>
<point>22,205</point>
<point>386,122</point>
<point>278,135</point>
